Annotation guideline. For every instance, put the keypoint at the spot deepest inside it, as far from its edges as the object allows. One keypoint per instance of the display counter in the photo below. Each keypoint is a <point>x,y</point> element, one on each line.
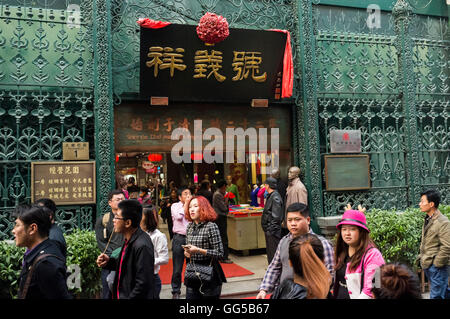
<point>244,228</point>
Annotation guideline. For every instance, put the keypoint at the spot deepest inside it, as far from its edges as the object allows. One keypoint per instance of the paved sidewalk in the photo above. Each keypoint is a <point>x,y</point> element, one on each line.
<point>235,287</point>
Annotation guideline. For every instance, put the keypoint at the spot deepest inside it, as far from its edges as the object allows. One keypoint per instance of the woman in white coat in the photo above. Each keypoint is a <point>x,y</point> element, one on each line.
<point>149,224</point>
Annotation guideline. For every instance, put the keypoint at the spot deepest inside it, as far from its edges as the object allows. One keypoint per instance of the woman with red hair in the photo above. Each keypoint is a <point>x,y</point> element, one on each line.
<point>204,247</point>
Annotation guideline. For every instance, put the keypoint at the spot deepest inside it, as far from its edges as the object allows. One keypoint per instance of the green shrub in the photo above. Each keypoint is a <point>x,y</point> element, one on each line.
<point>398,234</point>
<point>82,250</point>
<point>11,258</point>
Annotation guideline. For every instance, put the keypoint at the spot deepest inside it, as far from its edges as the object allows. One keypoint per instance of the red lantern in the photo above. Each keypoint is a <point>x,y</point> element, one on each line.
<point>117,158</point>
<point>154,157</point>
<point>196,156</point>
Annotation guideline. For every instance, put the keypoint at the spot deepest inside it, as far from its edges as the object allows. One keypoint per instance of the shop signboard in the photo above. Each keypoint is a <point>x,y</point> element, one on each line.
<point>66,183</point>
<point>175,63</point>
<point>152,131</point>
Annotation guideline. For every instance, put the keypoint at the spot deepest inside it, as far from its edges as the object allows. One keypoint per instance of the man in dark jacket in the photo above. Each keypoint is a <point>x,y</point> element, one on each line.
<point>55,233</point>
<point>134,267</point>
<point>220,205</point>
<point>272,217</point>
<point>43,274</point>
<point>205,192</point>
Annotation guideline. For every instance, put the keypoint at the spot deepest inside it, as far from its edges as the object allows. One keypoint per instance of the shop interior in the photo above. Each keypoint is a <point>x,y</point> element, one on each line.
<point>158,172</point>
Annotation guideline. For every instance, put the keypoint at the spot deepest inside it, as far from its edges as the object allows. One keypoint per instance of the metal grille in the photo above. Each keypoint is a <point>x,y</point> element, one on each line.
<point>358,76</point>
<point>46,95</point>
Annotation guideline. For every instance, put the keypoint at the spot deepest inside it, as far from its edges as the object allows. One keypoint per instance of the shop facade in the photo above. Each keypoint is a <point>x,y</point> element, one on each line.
<point>69,70</point>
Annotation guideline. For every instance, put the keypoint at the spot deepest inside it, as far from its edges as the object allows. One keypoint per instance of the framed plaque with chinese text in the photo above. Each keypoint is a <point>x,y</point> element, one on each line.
<point>66,183</point>
<point>347,172</point>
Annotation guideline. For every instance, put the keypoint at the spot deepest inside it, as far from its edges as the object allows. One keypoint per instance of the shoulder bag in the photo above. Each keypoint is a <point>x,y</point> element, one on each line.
<point>30,273</point>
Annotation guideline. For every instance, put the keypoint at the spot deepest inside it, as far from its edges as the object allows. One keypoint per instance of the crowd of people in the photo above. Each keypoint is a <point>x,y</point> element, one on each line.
<point>301,264</point>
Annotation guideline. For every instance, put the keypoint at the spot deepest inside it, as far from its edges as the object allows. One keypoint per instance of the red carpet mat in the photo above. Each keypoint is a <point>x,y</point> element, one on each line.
<point>230,270</point>
<point>254,297</point>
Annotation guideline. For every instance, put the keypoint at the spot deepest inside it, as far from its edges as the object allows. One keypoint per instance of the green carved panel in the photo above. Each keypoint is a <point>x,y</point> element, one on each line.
<point>38,48</point>
<point>46,95</point>
<point>401,108</point>
<point>428,7</point>
<point>67,218</point>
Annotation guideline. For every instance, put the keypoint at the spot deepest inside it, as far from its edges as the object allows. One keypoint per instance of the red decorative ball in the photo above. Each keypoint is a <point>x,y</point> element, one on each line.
<point>212,28</point>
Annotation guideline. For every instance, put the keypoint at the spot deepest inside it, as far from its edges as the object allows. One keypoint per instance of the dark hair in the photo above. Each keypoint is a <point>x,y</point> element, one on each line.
<point>132,210</point>
<point>298,207</point>
<point>38,215</point>
<point>205,184</point>
<point>221,183</point>
<point>397,281</point>
<point>181,189</point>
<point>432,196</point>
<point>115,192</point>
<point>306,254</point>
<point>47,202</point>
<point>144,189</point>
<point>20,209</point>
<point>341,249</point>
<point>150,217</point>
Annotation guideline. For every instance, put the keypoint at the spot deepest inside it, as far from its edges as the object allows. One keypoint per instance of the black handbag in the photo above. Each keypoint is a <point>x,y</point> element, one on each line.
<point>196,274</point>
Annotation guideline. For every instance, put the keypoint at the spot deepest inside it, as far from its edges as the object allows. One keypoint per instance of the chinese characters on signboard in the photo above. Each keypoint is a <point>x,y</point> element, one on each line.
<point>144,131</point>
<point>345,141</point>
<point>176,64</point>
<point>66,183</point>
<point>206,63</point>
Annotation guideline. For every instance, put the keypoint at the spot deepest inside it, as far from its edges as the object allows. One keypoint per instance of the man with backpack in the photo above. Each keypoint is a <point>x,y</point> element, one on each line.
<point>43,274</point>
<point>104,232</point>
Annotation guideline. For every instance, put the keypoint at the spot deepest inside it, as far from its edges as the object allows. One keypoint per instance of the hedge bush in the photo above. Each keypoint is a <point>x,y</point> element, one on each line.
<point>11,258</point>
<point>398,234</point>
<point>82,250</point>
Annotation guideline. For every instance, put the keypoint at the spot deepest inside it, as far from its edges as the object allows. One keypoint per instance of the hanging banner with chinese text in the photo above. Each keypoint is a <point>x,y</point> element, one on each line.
<point>175,63</point>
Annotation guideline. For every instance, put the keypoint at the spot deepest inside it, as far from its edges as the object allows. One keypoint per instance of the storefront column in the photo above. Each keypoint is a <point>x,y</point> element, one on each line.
<point>103,105</point>
<point>308,107</point>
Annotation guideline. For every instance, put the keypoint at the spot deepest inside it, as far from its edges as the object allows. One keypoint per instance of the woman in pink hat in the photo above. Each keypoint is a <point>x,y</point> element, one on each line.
<point>356,256</point>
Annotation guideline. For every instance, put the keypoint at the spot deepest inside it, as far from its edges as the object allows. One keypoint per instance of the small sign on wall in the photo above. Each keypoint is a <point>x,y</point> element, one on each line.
<point>345,141</point>
<point>347,172</point>
<point>75,151</point>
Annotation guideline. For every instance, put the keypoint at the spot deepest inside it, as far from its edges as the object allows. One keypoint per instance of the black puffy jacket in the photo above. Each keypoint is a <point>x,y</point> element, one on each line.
<point>136,278</point>
<point>273,214</point>
<point>289,290</point>
<point>48,280</point>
